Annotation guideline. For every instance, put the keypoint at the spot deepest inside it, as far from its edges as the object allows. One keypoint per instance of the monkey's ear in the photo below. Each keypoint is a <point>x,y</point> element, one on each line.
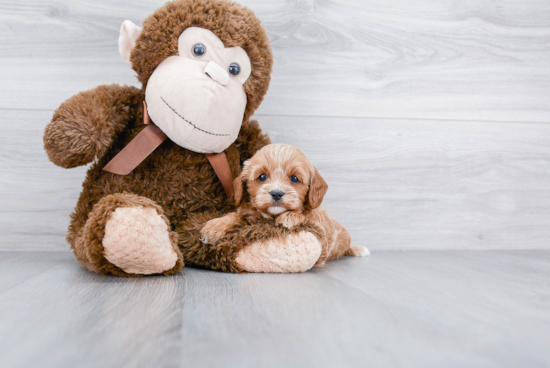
<point>129,33</point>
<point>238,186</point>
<point>317,189</point>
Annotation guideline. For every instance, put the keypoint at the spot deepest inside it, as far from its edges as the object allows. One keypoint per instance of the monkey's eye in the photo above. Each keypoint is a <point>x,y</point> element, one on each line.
<point>262,177</point>
<point>294,179</point>
<point>234,69</point>
<point>199,50</point>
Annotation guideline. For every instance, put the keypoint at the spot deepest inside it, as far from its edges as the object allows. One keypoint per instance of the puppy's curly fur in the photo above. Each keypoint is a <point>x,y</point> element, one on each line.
<point>281,184</point>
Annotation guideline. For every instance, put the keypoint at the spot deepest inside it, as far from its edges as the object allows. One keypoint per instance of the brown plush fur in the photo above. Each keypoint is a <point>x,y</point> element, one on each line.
<point>300,202</point>
<point>85,126</point>
<point>178,183</point>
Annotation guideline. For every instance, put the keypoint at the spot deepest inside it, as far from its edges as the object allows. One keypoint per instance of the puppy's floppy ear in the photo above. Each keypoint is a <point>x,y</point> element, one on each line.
<point>317,189</point>
<point>238,186</point>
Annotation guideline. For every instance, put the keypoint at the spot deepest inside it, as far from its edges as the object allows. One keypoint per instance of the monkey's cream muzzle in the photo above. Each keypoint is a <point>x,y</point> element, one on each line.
<point>195,105</point>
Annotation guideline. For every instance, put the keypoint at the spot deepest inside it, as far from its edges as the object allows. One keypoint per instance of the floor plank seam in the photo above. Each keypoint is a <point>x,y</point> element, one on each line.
<point>353,117</point>
<point>30,278</point>
<point>415,119</point>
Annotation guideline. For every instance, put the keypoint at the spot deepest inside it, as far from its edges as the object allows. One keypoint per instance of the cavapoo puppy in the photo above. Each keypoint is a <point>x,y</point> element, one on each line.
<point>280,183</point>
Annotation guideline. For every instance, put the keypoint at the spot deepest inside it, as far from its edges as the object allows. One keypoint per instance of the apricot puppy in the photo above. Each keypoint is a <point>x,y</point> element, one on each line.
<point>280,183</point>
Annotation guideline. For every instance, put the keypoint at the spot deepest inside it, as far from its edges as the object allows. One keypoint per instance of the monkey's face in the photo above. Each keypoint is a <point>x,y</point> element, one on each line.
<point>197,98</point>
<point>197,90</point>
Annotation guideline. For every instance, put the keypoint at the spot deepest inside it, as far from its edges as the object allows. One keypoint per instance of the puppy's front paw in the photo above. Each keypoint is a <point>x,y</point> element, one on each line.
<point>290,219</point>
<point>213,231</point>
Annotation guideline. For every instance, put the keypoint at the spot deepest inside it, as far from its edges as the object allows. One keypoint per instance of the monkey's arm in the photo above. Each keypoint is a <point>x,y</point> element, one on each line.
<point>85,125</point>
<point>251,139</point>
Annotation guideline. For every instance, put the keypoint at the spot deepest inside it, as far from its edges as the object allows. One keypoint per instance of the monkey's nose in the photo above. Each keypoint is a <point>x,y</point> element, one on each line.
<point>217,73</point>
<point>277,195</point>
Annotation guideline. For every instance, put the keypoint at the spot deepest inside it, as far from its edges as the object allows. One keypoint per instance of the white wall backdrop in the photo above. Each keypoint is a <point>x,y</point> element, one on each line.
<point>430,120</point>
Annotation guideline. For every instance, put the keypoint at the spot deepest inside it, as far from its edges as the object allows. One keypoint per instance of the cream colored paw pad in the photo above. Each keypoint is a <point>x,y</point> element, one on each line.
<point>295,253</point>
<point>137,241</point>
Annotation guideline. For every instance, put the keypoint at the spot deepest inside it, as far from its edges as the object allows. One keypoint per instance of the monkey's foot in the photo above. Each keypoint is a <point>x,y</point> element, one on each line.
<point>296,252</point>
<point>137,240</point>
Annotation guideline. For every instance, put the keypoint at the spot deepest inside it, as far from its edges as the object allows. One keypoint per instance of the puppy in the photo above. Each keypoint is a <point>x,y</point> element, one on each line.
<point>280,183</point>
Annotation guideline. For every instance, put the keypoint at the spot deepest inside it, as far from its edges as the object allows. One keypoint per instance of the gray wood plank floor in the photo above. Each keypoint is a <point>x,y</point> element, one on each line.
<point>395,309</point>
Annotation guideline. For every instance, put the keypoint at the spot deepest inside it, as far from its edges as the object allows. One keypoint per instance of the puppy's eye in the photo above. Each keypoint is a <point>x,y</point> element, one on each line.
<point>262,177</point>
<point>294,179</point>
<point>199,50</point>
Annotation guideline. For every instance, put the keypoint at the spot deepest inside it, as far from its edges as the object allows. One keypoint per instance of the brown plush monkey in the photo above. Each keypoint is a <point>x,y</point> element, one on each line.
<point>205,67</point>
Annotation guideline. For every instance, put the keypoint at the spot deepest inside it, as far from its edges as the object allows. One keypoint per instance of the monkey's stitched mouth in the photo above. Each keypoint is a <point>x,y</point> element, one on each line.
<point>190,123</point>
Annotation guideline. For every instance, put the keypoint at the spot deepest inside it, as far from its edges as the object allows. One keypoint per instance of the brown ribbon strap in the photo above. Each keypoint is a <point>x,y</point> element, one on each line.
<point>138,149</point>
<point>148,140</point>
<point>221,167</point>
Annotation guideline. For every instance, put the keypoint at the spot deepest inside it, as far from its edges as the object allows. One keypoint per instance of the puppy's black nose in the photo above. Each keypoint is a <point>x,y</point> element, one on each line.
<point>277,195</point>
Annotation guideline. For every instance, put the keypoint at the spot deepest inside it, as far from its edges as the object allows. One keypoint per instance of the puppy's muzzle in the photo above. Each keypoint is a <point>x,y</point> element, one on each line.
<point>277,195</point>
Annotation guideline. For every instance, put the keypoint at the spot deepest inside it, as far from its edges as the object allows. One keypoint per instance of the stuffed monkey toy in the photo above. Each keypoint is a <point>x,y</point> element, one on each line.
<point>163,157</point>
